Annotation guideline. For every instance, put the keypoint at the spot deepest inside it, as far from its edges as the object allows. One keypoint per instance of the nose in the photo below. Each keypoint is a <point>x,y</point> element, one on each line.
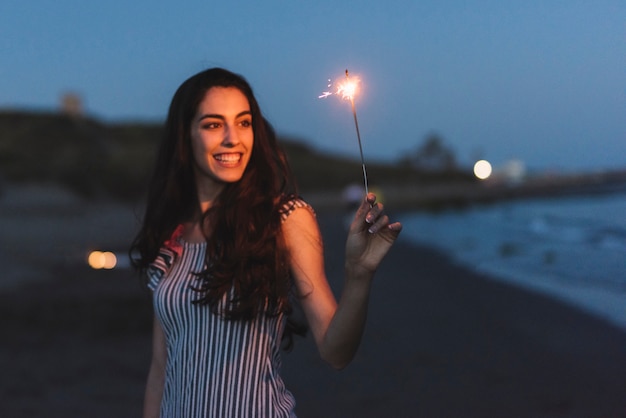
<point>231,138</point>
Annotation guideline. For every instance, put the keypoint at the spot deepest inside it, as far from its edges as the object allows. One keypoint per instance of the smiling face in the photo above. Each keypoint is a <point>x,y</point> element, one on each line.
<point>221,140</point>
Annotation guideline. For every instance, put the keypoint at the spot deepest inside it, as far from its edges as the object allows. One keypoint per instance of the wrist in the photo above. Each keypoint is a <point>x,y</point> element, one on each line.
<point>357,284</point>
<point>358,273</point>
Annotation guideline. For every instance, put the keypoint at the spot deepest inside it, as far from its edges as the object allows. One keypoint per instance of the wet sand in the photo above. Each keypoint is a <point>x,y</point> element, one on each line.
<point>441,341</point>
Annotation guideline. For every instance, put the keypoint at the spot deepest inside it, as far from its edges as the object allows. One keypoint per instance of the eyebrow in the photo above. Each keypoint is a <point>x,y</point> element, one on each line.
<point>221,117</point>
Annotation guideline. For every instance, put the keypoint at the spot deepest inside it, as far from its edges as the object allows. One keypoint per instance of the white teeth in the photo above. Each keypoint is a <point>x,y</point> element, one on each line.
<point>228,158</point>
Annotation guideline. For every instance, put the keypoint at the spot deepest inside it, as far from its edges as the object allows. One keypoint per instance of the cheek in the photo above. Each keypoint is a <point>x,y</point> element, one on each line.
<point>201,143</point>
<point>250,141</point>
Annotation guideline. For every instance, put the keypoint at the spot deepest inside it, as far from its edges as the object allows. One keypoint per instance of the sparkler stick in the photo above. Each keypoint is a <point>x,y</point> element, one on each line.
<point>347,90</point>
<point>358,134</point>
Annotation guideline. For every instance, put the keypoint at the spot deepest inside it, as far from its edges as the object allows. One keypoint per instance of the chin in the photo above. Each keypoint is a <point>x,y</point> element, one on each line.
<point>231,178</point>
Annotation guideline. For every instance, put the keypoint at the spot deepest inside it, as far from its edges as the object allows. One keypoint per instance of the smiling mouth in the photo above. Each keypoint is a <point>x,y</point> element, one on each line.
<point>230,158</point>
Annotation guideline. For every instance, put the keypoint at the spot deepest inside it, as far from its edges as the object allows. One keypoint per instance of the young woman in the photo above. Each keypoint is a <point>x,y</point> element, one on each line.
<point>227,246</point>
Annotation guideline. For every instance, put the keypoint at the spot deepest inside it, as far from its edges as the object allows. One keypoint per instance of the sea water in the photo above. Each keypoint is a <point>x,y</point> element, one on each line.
<point>572,248</point>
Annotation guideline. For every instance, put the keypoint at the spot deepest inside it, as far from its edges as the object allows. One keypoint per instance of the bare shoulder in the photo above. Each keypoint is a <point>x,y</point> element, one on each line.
<point>299,223</point>
<point>294,205</point>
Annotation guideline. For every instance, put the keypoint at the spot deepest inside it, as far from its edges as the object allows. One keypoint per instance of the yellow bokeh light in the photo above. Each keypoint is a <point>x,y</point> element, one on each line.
<point>110,260</point>
<point>102,260</point>
<point>482,169</point>
<point>95,259</point>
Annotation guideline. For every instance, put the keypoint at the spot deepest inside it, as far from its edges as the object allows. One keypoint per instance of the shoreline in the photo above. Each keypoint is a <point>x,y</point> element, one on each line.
<point>440,340</point>
<point>445,341</point>
<point>513,242</point>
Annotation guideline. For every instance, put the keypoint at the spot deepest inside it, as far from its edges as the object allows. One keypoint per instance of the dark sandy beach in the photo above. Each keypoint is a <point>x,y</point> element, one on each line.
<point>440,342</point>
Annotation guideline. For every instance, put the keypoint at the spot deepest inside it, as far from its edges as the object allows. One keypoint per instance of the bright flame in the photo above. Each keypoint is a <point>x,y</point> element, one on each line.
<point>346,89</point>
<point>102,260</point>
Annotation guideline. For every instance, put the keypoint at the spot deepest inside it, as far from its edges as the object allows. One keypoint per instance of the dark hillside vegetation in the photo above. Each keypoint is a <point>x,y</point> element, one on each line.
<point>91,158</point>
<point>96,159</point>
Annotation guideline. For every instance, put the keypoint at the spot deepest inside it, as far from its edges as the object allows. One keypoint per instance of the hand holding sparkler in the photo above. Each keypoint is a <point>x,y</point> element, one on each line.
<point>370,236</point>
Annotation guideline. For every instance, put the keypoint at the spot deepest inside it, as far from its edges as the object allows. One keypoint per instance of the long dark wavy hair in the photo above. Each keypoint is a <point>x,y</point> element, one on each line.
<point>248,270</point>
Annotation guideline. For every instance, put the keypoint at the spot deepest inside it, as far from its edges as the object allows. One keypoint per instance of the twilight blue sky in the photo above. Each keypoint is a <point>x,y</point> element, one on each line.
<point>540,81</point>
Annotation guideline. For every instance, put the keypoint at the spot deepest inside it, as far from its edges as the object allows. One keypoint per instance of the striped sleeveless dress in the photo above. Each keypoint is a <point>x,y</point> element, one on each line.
<point>215,367</point>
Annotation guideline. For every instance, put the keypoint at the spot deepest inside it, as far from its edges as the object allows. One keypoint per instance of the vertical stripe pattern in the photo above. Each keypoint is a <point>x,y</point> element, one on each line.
<point>215,367</point>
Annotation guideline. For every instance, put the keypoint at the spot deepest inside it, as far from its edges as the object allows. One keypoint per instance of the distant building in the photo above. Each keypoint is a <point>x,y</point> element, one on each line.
<point>72,104</point>
<point>512,172</point>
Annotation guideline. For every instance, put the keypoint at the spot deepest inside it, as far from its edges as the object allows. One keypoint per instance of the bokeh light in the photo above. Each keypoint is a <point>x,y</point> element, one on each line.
<point>482,169</point>
<point>102,260</point>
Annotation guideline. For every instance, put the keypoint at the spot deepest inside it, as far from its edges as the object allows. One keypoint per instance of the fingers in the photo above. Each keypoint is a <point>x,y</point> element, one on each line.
<point>376,223</point>
<point>393,230</point>
<point>369,211</point>
<point>396,227</point>
<point>362,211</point>
<point>374,210</point>
<point>371,215</point>
<point>376,217</point>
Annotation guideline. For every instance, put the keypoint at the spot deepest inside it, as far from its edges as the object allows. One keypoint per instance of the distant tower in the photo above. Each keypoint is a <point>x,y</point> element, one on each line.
<point>72,104</point>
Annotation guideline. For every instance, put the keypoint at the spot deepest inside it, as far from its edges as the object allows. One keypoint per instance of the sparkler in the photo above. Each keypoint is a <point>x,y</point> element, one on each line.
<point>347,91</point>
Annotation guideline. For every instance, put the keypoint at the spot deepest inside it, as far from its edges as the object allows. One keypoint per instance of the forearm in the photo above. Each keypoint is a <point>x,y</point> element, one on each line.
<point>345,330</point>
<point>338,328</point>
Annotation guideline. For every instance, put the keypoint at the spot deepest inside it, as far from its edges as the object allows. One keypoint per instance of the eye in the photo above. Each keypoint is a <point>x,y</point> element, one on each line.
<point>211,125</point>
<point>246,123</point>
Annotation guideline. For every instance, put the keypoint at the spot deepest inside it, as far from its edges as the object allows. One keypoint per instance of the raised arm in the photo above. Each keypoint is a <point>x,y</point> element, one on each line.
<point>337,328</point>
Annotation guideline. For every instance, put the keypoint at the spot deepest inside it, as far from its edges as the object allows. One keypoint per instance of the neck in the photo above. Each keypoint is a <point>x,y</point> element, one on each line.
<point>207,194</point>
<point>193,233</point>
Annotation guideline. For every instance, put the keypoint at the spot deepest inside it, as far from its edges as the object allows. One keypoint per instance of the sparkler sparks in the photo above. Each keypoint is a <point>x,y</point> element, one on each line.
<point>347,90</point>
